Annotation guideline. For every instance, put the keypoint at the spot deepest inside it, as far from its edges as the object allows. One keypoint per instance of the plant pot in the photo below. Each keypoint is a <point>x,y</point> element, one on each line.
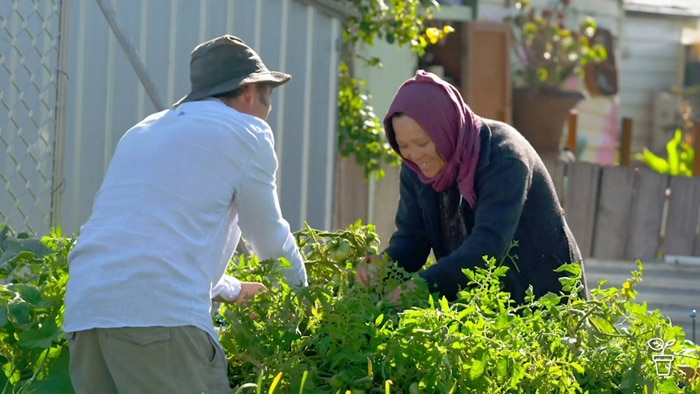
<point>663,363</point>
<point>540,117</point>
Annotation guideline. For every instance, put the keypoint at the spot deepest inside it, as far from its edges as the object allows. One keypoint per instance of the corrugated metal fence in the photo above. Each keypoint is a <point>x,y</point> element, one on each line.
<point>70,93</point>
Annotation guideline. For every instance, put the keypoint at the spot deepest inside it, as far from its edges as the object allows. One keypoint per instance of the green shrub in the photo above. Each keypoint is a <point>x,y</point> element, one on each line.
<point>336,336</point>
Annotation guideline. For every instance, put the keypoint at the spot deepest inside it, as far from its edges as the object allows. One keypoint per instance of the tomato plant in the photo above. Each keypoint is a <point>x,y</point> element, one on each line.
<point>338,336</point>
<point>33,350</point>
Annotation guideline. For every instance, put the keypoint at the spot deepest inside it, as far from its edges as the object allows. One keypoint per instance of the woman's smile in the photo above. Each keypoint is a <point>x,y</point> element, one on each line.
<point>415,145</point>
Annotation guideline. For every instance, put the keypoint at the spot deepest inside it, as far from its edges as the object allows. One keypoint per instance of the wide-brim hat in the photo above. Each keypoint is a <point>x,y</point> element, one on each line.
<point>224,64</point>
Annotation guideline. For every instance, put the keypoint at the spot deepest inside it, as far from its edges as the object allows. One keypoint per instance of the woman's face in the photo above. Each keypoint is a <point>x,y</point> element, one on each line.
<point>415,145</point>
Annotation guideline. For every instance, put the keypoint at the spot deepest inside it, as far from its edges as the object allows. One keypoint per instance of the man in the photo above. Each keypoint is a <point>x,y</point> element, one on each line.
<point>181,187</point>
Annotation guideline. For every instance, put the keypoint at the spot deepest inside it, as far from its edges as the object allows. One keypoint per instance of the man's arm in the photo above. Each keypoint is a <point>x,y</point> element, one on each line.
<point>259,214</point>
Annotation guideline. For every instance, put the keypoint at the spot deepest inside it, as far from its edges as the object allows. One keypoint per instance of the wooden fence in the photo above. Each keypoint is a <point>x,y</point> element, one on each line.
<point>629,213</point>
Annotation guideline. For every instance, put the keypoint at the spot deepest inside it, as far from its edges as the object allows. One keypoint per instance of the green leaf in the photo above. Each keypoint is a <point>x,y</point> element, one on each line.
<point>20,313</point>
<point>655,162</point>
<point>24,248</point>
<point>550,300</point>
<point>578,367</point>
<point>502,367</point>
<point>57,379</point>
<point>40,338</point>
<point>378,321</point>
<point>673,154</point>
<point>478,367</point>
<point>3,315</point>
<point>668,386</point>
<point>5,383</point>
<point>28,292</point>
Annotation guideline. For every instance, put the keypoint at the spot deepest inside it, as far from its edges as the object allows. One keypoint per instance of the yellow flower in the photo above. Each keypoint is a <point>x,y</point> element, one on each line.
<point>626,287</point>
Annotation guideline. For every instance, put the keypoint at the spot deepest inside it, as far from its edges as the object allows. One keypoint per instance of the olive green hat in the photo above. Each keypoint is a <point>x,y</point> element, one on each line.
<point>225,63</point>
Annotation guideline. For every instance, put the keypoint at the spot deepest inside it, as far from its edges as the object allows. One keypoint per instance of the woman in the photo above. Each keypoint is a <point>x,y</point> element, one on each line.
<point>469,187</point>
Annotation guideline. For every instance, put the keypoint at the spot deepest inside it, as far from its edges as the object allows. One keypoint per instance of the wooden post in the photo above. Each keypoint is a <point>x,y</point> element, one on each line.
<point>626,143</point>
<point>572,141</point>
<point>696,147</point>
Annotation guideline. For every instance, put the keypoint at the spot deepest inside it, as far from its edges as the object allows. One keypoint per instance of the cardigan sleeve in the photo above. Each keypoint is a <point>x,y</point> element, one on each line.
<point>409,246</point>
<point>501,190</point>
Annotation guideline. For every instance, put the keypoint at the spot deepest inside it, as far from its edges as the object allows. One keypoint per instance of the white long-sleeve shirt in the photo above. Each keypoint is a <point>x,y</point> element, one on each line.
<point>181,186</point>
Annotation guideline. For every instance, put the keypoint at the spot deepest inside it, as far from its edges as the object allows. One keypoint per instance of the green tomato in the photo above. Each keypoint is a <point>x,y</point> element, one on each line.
<point>341,251</point>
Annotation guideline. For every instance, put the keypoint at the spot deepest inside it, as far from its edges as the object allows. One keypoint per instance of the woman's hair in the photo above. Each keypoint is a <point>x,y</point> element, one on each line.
<point>391,135</point>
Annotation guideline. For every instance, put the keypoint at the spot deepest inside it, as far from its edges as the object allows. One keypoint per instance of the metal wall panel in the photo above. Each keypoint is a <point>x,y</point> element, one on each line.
<point>105,96</point>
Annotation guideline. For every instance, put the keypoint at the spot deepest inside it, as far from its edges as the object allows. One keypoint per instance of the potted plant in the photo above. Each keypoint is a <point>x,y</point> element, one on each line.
<point>548,55</point>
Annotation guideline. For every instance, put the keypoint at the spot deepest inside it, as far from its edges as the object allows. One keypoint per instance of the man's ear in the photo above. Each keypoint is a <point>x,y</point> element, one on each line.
<point>248,93</point>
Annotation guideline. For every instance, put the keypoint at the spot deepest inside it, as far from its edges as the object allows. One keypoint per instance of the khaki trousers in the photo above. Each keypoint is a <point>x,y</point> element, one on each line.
<point>147,360</point>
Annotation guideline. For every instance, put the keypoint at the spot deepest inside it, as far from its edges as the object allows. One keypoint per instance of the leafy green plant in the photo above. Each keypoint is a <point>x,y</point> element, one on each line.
<point>399,22</point>
<point>337,336</point>
<point>33,352</point>
<point>680,157</point>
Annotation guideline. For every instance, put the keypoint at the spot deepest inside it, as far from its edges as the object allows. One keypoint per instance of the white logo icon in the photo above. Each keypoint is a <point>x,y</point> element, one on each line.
<point>662,361</point>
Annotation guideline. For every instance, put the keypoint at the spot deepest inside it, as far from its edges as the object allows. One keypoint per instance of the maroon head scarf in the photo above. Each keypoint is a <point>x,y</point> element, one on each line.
<point>440,110</point>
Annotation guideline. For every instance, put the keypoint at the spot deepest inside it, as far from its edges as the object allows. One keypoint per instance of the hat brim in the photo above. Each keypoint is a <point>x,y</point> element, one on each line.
<point>275,78</point>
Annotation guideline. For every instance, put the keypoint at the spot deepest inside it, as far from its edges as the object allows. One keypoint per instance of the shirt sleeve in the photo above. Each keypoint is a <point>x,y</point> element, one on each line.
<point>259,214</point>
<point>502,193</point>
<point>228,288</point>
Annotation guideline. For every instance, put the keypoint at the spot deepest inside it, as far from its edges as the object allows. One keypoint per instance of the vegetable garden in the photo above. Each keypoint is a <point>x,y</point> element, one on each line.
<point>337,336</point>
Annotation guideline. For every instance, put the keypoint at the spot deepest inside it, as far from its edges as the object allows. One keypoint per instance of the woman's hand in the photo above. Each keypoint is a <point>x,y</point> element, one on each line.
<point>363,275</point>
<point>408,286</point>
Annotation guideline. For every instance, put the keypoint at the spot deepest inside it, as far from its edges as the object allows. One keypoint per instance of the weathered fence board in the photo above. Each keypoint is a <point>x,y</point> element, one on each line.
<point>646,214</point>
<point>612,216</point>
<point>581,198</point>
<point>682,219</point>
<point>351,193</point>
<point>559,178</point>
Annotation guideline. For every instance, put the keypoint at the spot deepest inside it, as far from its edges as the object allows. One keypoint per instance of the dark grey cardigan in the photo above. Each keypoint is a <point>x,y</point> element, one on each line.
<point>516,200</point>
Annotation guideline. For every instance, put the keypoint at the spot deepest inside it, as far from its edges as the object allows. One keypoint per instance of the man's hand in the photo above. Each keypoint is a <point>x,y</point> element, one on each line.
<point>248,291</point>
<point>363,275</point>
